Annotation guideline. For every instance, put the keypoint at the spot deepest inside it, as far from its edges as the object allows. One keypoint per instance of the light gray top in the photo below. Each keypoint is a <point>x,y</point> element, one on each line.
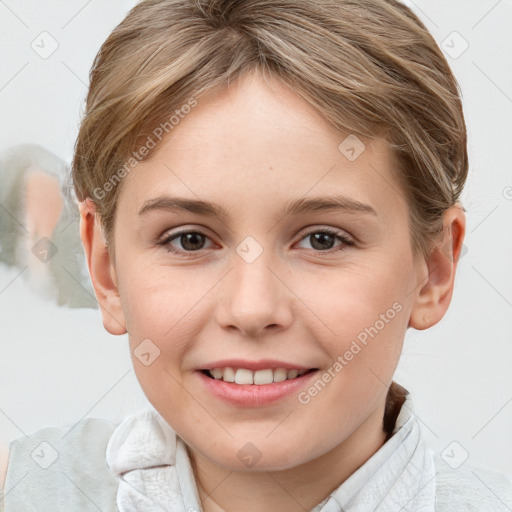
<point>142,465</point>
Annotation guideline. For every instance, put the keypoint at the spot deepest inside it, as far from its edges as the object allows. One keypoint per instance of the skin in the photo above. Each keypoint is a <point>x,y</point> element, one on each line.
<point>251,148</point>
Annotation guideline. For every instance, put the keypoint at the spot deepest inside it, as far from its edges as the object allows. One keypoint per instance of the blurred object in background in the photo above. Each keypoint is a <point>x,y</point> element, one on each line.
<point>39,226</point>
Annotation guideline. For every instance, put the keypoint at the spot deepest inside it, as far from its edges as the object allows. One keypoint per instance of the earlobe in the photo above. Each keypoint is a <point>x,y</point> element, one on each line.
<point>435,291</point>
<point>101,269</point>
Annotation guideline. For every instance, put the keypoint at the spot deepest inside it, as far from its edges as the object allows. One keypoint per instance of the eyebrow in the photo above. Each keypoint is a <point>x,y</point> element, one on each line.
<point>293,207</point>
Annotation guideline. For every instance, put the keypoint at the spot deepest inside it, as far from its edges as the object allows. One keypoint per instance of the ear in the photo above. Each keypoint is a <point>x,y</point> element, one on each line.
<point>434,296</point>
<point>101,269</point>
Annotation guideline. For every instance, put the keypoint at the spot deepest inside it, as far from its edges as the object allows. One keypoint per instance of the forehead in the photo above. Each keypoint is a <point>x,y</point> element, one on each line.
<point>258,139</point>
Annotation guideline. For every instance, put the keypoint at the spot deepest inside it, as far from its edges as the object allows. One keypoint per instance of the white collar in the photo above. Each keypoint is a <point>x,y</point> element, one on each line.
<point>155,472</point>
<point>399,476</point>
<point>152,464</point>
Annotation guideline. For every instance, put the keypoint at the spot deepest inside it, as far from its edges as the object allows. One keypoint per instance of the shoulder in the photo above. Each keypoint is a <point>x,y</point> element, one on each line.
<point>470,488</point>
<point>62,468</point>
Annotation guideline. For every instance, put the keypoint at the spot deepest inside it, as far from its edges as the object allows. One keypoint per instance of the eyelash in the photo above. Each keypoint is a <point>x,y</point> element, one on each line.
<point>346,241</point>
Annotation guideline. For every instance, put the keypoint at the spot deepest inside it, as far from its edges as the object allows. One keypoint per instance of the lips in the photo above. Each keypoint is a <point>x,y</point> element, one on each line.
<point>258,393</point>
<point>262,364</point>
<point>254,383</point>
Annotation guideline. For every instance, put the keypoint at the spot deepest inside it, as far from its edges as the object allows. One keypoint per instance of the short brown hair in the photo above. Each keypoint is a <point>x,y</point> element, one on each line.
<point>370,67</point>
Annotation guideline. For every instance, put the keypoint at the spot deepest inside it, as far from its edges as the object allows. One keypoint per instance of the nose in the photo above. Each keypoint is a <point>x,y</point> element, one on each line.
<point>254,299</point>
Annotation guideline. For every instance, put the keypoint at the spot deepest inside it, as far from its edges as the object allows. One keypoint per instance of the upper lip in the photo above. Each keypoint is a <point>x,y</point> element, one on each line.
<point>262,364</point>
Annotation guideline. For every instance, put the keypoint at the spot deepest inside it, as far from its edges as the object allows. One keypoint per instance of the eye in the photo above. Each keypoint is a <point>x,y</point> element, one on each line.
<point>322,240</point>
<point>187,242</point>
<point>190,241</point>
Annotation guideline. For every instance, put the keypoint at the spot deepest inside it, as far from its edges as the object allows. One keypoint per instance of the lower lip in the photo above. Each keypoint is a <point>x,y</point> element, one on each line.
<point>253,395</point>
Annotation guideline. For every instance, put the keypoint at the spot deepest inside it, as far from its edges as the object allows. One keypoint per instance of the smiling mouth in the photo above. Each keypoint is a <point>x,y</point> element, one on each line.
<point>244,376</point>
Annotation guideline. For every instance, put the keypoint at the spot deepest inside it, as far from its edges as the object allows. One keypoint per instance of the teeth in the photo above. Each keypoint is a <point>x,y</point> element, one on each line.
<point>280,375</point>
<point>292,374</point>
<point>244,376</point>
<point>229,375</point>
<point>263,377</point>
<point>259,377</point>
<point>217,373</point>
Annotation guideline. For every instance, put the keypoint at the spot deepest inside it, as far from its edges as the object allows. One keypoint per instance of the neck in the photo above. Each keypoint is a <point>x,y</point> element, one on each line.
<point>292,489</point>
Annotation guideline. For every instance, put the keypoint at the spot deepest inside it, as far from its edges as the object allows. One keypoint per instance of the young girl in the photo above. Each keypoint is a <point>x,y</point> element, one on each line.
<point>269,200</point>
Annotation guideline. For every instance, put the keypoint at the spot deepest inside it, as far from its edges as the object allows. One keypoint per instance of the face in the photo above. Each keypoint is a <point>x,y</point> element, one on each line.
<point>271,282</point>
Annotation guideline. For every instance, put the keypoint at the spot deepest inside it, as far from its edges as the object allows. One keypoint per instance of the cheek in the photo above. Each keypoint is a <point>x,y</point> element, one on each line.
<point>162,323</point>
<point>362,331</point>
<point>354,303</point>
<point>161,301</point>
<point>169,307</point>
<point>365,311</point>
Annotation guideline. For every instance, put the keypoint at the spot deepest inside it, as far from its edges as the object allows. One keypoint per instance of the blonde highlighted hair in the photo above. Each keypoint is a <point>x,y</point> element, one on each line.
<point>370,67</point>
